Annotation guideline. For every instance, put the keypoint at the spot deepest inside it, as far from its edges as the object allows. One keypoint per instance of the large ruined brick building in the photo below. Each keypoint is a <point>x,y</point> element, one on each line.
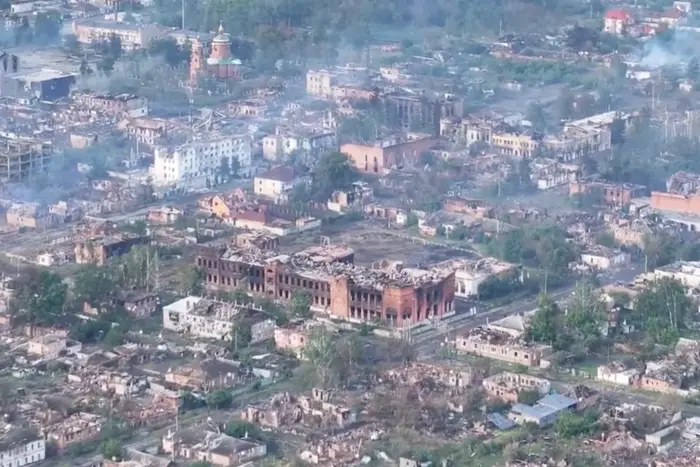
<point>390,293</point>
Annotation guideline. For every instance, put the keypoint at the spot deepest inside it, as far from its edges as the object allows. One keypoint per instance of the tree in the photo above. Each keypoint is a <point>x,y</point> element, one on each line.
<point>537,116</point>
<point>663,309</point>
<point>220,399</point>
<point>692,71</point>
<point>300,304</point>
<point>585,314</point>
<point>241,335</point>
<point>528,396</point>
<point>201,464</point>
<point>106,64</point>
<point>333,172</point>
<point>114,46</point>
<point>618,67</point>
<point>70,42</point>
<point>571,425</point>
<point>114,337</point>
<point>39,297</point>
<point>543,326</point>
<point>173,53</point>
<point>112,449</point>
<point>321,352</point>
<point>93,283</point>
<point>565,105</point>
<point>85,69</point>
<point>241,429</point>
<point>47,26</point>
<point>190,280</point>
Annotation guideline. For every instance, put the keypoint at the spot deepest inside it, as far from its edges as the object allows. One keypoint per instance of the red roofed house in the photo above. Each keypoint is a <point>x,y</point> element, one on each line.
<point>617,22</point>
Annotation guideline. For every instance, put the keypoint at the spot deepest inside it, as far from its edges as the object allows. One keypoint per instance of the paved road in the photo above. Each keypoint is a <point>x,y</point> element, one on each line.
<point>427,344</point>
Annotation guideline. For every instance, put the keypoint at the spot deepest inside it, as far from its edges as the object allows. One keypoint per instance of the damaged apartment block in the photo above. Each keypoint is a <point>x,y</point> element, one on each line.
<point>23,158</point>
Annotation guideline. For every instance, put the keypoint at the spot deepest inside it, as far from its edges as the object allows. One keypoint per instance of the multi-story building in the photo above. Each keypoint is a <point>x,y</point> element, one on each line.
<point>319,83</point>
<point>211,319</point>
<point>685,272</point>
<point>49,346</point>
<point>20,447</point>
<point>98,250</point>
<point>396,295</point>
<point>283,143</point>
<point>615,194</point>
<point>132,35</point>
<point>499,346</point>
<point>423,112</point>
<point>218,449</point>
<point>277,182</point>
<point>22,159</point>
<point>145,130</point>
<point>617,22</point>
<point>191,164</point>
<point>120,105</point>
<point>382,156</point>
<point>512,141</point>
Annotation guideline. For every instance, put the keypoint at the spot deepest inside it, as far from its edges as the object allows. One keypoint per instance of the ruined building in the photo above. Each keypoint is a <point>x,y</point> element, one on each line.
<point>22,159</point>
<point>390,292</point>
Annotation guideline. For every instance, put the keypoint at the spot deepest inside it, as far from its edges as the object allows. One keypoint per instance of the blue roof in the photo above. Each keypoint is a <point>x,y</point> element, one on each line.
<point>557,402</point>
<point>537,411</point>
<point>501,422</point>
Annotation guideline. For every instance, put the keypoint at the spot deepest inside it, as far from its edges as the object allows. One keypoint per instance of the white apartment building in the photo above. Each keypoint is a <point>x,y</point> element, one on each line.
<point>190,165</point>
<point>21,447</point>
<point>210,319</point>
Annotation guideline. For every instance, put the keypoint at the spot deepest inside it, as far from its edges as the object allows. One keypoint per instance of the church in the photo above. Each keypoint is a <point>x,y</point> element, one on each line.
<point>219,65</point>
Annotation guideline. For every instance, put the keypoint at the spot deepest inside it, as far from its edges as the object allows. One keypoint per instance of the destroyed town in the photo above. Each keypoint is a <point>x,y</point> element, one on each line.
<point>287,233</point>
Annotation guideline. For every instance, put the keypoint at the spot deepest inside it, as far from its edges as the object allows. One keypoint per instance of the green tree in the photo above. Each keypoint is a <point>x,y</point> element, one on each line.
<point>106,64</point>
<point>85,69</point>
<point>663,309</point>
<point>565,105</point>
<point>39,297</point>
<point>571,425</point>
<point>173,53</point>
<point>322,353</point>
<point>528,396</point>
<point>241,336</point>
<point>333,172</point>
<point>537,115</point>
<point>114,46</point>
<point>241,429</point>
<point>544,324</point>
<point>300,304</point>
<point>585,313</point>
<point>47,26</point>
<point>190,280</point>
<point>114,337</point>
<point>93,283</point>
<point>112,449</point>
<point>220,399</point>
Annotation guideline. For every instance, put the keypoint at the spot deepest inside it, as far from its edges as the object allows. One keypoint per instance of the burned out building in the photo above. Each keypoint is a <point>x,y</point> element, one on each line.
<point>413,112</point>
<point>22,159</point>
<point>99,250</point>
<point>390,292</point>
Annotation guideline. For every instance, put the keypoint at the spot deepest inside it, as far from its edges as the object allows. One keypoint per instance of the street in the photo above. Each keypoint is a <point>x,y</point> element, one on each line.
<point>427,344</point>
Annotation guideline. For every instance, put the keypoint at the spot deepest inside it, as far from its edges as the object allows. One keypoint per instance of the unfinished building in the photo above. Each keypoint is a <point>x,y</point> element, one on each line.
<point>388,292</point>
<point>23,159</point>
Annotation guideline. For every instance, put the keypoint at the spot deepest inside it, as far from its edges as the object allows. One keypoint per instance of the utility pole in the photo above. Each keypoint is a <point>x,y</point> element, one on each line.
<point>183,15</point>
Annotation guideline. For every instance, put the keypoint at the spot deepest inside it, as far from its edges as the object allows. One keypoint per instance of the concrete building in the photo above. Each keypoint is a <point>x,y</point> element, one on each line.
<point>191,164</point>
<point>132,35</point>
<point>220,450</point>
<point>20,447</point>
<point>210,319</point>
<point>118,105</point>
<point>470,274</point>
<point>681,195</point>
<point>38,85</point>
<point>77,428</point>
<point>507,386</point>
<point>279,146</point>
<point>292,338</point>
<point>389,292</point>
<point>499,346</point>
<point>419,112</point>
<point>49,346</point>
<point>619,373</point>
<point>277,182</point>
<point>617,22</point>
<point>604,258</point>
<point>98,250</point>
<point>23,159</point>
<point>614,194</point>
<point>685,272</point>
<point>382,156</point>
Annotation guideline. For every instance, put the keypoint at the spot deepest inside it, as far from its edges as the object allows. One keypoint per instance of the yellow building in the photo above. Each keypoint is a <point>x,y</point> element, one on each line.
<point>133,36</point>
<point>319,83</point>
<point>514,143</point>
